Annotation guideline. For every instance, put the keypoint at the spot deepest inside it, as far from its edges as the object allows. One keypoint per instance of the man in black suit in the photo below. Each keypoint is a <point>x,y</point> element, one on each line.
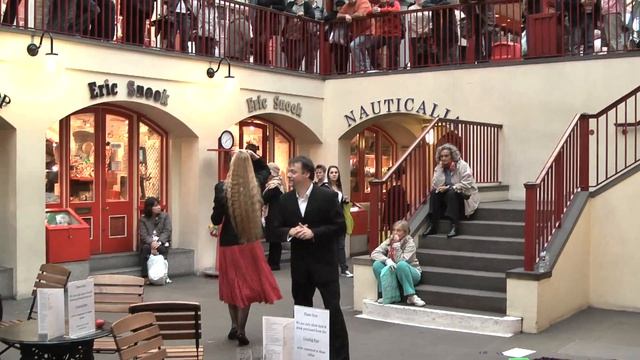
<point>309,217</point>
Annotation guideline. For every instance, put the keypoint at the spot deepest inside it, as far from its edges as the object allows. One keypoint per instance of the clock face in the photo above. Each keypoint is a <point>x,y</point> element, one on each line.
<point>226,140</point>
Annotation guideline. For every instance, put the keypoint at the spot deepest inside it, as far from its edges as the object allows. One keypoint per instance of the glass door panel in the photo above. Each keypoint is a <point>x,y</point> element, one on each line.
<point>82,164</point>
<point>53,159</point>
<point>355,169</point>
<point>117,158</point>
<point>369,159</point>
<point>117,205</point>
<point>149,162</point>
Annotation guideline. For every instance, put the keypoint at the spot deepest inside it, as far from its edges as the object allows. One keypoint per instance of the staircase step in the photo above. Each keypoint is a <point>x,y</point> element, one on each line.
<point>463,298</point>
<point>466,279</point>
<point>114,261</point>
<point>131,270</point>
<point>6,282</point>
<point>510,229</point>
<point>444,318</point>
<point>493,192</point>
<point>500,211</point>
<point>470,243</point>
<point>469,260</point>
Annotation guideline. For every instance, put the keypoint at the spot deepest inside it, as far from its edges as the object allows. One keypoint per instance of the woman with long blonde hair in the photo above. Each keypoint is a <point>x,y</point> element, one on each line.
<point>245,277</point>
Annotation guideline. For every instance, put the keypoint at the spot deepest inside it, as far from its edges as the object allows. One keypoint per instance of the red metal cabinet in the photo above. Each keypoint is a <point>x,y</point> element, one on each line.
<point>67,236</point>
<point>544,36</point>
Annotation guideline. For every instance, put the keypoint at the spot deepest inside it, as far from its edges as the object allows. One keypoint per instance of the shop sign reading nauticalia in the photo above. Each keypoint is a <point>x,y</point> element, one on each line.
<point>278,103</point>
<point>4,100</point>
<point>395,105</point>
<point>133,91</point>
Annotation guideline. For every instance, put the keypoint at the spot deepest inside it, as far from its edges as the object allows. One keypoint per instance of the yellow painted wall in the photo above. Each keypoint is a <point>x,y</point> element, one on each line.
<point>543,303</point>
<point>615,250</point>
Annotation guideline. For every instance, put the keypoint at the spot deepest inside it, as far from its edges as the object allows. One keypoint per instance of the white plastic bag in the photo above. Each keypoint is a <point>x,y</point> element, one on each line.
<point>157,268</point>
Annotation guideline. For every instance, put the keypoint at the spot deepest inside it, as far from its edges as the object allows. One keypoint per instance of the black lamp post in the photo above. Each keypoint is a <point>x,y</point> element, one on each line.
<point>211,72</point>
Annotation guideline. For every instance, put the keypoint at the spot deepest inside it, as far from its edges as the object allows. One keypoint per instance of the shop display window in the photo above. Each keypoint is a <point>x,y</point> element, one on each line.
<point>52,164</point>
<point>150,162</point>
<point>372,154</point>
<point>82,158</point>
<point>117,157</point>
<point>274,144</point>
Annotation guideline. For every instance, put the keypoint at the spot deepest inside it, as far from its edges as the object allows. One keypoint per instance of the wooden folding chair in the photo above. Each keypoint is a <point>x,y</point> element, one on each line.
<point>114,294</point>
<point>50,276</point>
<point>178,320</point>
<point>137,336</point>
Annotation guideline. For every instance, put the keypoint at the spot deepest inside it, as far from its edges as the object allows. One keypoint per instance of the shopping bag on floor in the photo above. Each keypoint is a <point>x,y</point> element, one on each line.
<point>157,268</point>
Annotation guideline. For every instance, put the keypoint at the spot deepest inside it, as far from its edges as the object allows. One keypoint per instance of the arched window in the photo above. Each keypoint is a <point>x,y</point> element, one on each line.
<point>373,152</point>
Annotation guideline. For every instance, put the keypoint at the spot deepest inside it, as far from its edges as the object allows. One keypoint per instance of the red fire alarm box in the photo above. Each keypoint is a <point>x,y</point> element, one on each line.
<point>67,236</point>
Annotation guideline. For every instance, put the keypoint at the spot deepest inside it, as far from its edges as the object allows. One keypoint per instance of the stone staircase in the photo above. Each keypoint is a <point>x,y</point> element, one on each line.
<point>468,271</point>
<point>181,262</point>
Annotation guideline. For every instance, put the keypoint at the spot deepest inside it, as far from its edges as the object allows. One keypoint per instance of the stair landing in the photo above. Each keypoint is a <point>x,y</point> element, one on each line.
<point>443,318</point>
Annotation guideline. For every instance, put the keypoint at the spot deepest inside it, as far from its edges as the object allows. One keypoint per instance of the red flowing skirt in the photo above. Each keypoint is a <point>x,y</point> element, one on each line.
<point>245,276</point>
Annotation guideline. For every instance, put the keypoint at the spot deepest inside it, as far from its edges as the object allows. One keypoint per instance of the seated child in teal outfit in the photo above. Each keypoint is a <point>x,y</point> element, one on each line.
<point>396,266</point>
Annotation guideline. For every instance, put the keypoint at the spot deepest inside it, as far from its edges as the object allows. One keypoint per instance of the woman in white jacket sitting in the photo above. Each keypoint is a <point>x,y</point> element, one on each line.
<point>453,188</point>
<point>396,264</point>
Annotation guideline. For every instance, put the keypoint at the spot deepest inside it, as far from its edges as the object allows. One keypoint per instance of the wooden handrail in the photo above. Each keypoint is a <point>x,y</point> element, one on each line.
<point>558,147</point>
<point>615,104</point>
<point>406,154</point>
<point>429,128</point>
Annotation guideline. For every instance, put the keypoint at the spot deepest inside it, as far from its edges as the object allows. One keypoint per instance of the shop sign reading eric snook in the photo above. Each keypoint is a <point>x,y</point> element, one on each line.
<point>133,91</point>
<point>278,103</point>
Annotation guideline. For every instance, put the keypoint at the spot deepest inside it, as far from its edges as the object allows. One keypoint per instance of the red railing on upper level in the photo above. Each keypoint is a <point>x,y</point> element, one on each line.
<point>593,149</point>
<point>283,35</point>
<point>405,187</point>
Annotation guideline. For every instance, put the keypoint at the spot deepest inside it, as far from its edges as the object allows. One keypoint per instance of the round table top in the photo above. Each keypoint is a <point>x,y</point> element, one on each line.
<point>27,333</point>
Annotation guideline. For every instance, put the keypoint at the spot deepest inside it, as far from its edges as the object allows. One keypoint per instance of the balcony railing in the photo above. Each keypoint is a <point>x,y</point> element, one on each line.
<point>386,39</point>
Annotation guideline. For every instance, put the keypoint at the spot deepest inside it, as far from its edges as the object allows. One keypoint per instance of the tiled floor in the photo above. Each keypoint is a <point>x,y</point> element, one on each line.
<point>591,334</point>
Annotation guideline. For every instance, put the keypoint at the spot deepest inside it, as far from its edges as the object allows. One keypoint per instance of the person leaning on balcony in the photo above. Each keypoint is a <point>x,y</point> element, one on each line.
<point>453,191</point>
<point>296,33</point>
<point>205,31</point>
<point>395,262</point>
<point>238,41</point>
<point>581,18</point>
<point>135,14</point>
<point>338,35</point>
<point>419,27</point>
<point>388,32</point>
<point>180,11</point>
<point>361,30</point>
<point>613,23</point>
<point>266,25</point>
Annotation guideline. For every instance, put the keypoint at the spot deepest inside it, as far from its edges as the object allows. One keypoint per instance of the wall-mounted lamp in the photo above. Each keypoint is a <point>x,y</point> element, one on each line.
<point>211,72</point>
<point>32,49</point>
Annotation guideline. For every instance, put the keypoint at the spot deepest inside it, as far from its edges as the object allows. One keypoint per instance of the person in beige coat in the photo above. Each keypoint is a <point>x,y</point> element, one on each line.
<point>454,187</point>
<point>396,259</point>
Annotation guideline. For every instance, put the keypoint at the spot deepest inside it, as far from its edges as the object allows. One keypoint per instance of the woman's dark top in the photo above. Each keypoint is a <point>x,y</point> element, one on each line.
<point>271,198</point>
<point>273,4</point>
<point>308,9</point>
<point>220,215</point>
